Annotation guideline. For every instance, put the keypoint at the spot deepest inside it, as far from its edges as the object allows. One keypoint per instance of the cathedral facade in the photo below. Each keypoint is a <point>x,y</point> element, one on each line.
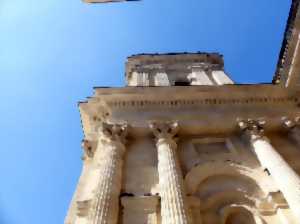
<point>182,144</point>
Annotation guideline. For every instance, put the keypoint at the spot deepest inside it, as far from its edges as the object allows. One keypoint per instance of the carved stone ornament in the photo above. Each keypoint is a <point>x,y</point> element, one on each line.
<point>83,207</point>
<point>164,129</point>
<point>291,123</point>
<point>87,148</point>
<point>165,132</point>
<point>253,129</point>
<point>112,132</point>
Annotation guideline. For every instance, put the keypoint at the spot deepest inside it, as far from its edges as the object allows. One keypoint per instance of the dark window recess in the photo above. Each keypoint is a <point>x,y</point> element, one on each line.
<point>182,83</point>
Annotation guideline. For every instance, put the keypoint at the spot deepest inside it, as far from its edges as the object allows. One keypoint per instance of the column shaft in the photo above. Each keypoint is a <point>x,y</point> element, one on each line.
<point>287,179</point>
<point>173,198</point>
<point>105,208</point>
<point>108,163</point>
<point>174,208</point>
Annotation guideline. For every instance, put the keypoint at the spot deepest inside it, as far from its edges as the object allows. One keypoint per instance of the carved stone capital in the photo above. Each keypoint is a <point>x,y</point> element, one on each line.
<point>290,124</point>
<point>164,133</point>
<point>164,130</point>
<point>88,149</point>
<point>252,129</point>
<point>161,129</point>
<point>112,132</point>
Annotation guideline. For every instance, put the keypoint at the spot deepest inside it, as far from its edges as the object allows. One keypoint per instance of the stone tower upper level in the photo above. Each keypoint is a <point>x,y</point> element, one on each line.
<point>176,69</point>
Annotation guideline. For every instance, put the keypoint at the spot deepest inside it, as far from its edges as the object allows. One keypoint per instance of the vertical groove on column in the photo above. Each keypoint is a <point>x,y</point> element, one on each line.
<point>105,205</point>
<point>108,161</point>
<point>174,209</point>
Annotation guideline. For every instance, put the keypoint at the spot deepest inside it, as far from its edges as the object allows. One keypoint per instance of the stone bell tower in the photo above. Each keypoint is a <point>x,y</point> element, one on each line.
<point>182,144</point>
<point>176,70</point>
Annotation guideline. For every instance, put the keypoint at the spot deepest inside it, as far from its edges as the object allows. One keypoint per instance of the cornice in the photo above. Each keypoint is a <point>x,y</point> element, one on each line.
<point>288,47</point>
<point>190,105</point>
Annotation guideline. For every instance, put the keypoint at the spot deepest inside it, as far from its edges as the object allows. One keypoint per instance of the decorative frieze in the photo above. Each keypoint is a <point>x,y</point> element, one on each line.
<point>200,102</point>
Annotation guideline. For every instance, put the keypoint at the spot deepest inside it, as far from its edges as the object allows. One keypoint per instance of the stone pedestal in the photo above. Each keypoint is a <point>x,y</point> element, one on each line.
<point>174,208</point>
<point>286,178</point>
<point>142,209</point>
<point>108,160</point>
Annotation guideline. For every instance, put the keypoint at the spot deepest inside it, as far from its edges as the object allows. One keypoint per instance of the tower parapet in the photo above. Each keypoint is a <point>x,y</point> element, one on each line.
<point>176,69</point>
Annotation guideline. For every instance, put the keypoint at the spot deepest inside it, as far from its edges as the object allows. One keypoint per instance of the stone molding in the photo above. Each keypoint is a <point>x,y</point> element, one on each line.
<point>199,173</point>
<point>270,204</point>
<point>200,102</point>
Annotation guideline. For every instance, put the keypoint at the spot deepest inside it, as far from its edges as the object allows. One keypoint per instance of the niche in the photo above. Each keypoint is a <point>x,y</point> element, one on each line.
<point>210,146</point>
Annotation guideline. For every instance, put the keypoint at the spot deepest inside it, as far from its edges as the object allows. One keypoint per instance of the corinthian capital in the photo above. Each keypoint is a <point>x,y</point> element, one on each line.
<point>88,149</point>
<point>112,132</point>
<point>291,123</point>
<point>253,129</point>
<point>164,129</point>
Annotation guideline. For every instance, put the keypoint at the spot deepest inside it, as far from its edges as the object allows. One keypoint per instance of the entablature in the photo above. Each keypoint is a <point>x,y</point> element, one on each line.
<point>199,110</point>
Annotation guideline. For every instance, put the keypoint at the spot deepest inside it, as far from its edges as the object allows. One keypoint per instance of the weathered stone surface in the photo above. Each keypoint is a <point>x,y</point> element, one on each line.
<point>205,172</point>
<point>138,210</point>
<point>176,69</point>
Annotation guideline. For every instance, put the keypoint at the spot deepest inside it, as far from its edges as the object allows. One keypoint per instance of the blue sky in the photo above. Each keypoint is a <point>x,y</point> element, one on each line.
<point>53,52</point>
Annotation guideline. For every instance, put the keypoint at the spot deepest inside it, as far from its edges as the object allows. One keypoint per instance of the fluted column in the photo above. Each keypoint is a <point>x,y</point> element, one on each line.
<point>109,160</point>
<point>286,178</point>
<point>174,208</point>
